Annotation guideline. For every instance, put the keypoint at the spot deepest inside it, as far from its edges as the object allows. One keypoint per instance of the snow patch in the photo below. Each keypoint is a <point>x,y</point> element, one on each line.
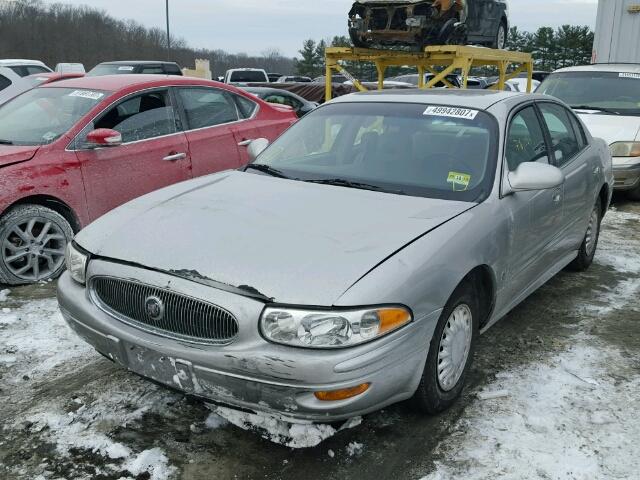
<point>280,431</point>
<point>214,421</point>
<point>154,462</point>
<point>4,294</point>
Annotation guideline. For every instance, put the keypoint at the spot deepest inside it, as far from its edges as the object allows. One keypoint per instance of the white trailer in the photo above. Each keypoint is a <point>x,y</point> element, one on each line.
<point>617,36</point>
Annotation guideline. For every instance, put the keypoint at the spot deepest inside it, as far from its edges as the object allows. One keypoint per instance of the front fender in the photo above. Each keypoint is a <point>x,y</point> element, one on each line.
<point>424,274</point>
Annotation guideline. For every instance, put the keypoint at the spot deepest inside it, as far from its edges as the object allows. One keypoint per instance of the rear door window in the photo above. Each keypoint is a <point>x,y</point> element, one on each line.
<point>207,107</point>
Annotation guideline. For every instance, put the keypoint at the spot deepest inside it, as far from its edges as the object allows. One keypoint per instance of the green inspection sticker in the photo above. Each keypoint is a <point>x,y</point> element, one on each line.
<point>459,181</point>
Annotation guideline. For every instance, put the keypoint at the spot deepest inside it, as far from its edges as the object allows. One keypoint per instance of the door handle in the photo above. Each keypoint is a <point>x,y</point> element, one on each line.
<point>557,196</point>
<point>596,171</point>
<point>175,156</point>
<point>245,143</point>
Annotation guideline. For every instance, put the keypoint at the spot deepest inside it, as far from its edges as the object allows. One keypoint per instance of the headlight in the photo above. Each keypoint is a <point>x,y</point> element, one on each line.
<point>625,149</point>
<point>76,263</point>
<point>331,328</point>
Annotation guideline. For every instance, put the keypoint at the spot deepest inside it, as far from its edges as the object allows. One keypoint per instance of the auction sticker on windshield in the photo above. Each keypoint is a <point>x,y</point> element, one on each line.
<point>452,112</point>
<point>630,75</point>
<point>87,94</point>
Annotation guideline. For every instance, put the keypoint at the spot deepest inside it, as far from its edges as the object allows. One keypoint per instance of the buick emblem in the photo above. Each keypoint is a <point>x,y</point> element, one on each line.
<point>154,308</point>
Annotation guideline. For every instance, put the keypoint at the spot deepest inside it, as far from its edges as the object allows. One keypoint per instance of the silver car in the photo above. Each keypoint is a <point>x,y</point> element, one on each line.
<point>354,263</point>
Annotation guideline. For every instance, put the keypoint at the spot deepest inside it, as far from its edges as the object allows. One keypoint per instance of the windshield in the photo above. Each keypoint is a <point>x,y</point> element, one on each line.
<point>411,149</point>
<point>42,115</point>
<point>102,70</point>
<point>612,92</point>
<point>247,77</point>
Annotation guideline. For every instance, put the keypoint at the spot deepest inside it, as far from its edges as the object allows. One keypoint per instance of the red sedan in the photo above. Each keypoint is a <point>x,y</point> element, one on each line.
<point>73,150</point>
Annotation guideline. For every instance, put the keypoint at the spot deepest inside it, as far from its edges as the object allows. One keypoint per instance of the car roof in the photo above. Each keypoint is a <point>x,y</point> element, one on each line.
<point>138,62</point>
<point>476,99</point>
<point>604,67</point>
<point>19,62</point>
<point>114,83</point>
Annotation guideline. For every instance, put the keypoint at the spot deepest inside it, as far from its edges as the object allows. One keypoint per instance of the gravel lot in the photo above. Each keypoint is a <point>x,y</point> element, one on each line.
<point>565,366</point>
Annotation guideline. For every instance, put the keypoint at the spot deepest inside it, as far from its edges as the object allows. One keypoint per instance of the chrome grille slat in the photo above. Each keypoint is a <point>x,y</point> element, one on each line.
<point>185,318</point>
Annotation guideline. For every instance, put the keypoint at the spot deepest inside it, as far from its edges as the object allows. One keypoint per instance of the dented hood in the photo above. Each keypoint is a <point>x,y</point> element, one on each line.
<point>290,241</point>
<point>10,154</point>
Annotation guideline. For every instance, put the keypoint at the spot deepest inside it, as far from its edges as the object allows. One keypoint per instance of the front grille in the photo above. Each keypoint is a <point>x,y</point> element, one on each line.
<point>164,312</point>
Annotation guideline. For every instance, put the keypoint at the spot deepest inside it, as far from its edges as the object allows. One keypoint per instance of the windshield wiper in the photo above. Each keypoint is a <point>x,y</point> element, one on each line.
<point>261,167</point>
<point>597,109</point>
<point>341,182</point>
<point>5,142</point>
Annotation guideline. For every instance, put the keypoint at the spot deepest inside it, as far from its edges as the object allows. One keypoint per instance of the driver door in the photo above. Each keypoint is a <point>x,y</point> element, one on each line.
<point>153,155</point>
<point>535,216</point>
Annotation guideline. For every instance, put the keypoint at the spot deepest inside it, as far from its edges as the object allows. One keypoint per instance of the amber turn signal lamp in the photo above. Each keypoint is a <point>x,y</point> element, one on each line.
<point>392,319</point>
<point>343,394</point>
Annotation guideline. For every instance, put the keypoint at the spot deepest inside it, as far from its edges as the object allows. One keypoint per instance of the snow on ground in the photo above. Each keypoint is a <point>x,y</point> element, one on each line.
<point>566,418</point>
<point>571,416</point>
<point>35,340</point>
<point>86,423</point>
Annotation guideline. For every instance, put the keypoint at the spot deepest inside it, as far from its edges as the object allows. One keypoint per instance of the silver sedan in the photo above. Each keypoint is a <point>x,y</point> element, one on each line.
<point>354,263</point>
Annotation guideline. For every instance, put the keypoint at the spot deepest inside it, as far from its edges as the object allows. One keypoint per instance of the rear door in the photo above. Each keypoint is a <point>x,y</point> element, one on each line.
<point>209,115</point>
<point>154,153</point>
<point>570,154</point>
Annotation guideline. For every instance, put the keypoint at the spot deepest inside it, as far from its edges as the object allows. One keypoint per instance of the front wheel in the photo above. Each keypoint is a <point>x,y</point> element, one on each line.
<point>33,240</point>
<point>450,353</point>
<point>590,243</point>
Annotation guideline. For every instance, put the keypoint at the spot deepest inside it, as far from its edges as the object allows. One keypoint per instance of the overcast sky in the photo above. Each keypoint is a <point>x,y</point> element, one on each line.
<point>252,25</point>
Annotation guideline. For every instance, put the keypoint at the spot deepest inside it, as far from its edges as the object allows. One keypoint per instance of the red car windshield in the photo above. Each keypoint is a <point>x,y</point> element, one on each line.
<point>42,115</point>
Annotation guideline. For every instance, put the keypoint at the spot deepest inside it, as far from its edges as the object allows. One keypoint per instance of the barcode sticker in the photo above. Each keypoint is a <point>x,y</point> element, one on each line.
<point>87,94</point>
<point>630,75</point>
<point>452,112</point>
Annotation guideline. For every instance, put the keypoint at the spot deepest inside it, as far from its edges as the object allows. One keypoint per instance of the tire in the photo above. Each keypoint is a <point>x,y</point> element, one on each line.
<point>33,240</point>
<point>434,395</point>
<point>500,42</point>
<point>590,243</point>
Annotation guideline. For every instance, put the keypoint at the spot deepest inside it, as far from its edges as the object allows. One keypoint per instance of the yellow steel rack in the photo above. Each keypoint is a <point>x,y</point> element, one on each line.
<point>453,58</point>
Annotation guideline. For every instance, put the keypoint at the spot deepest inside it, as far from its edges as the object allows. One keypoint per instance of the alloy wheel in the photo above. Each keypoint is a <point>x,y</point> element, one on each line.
<point>34,249</point>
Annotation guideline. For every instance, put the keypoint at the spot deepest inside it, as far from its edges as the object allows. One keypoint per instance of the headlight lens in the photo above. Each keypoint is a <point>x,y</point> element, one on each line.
<point>331,329</point>
<point>76,263</point>
<point>625,149</point>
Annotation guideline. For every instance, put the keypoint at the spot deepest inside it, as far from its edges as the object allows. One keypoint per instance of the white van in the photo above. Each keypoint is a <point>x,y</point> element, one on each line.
<point>607,99</point>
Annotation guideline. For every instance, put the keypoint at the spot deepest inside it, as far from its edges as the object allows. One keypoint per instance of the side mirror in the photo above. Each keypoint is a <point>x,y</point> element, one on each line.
<point>104,137</point>
<point>256,147</point>
<point>535,176</point>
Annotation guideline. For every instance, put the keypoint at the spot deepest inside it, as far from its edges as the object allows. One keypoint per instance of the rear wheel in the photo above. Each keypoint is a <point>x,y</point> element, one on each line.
<point>33,240</point>
<point>500,41</point>
<point>450,353</point>
<point>590,243</point>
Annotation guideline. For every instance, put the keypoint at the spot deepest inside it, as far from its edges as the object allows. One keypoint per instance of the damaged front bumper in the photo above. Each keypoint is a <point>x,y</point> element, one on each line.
<point>627,173</point>
<point>250,373</point>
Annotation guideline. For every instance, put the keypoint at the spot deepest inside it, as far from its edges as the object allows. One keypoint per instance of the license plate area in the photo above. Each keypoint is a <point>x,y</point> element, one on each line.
<point>161,368</point>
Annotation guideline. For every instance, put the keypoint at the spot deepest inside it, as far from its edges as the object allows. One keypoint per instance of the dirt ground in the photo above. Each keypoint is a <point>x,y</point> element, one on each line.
<point>568,358</point>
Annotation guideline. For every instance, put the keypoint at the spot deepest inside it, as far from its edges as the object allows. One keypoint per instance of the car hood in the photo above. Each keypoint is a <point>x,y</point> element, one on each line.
<point>611,128</point>
<point>282,240</point>
<point>10,154</point>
